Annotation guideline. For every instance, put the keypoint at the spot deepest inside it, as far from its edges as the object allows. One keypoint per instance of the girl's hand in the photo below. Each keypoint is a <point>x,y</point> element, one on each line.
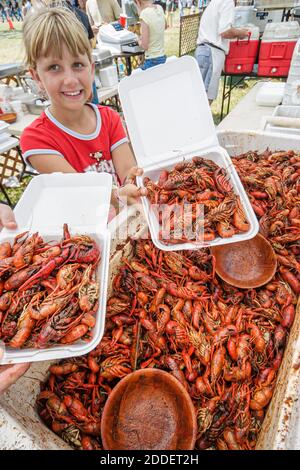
<point>132,173</point>
<point>7,218</point>
<point>130,193</point>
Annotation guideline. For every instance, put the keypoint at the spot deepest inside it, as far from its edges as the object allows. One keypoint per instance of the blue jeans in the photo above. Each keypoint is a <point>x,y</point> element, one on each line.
<point>152,62</point>
<point>204,58</point>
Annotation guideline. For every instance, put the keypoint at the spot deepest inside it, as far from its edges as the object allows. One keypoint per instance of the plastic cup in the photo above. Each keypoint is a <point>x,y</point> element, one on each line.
<point>123,20</point>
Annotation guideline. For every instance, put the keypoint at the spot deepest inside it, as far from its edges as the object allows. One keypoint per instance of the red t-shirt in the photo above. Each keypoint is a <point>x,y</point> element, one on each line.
<point>84,152</point>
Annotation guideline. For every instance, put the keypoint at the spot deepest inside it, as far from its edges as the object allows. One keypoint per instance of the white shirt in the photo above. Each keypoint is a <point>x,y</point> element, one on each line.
<point>217,18</point>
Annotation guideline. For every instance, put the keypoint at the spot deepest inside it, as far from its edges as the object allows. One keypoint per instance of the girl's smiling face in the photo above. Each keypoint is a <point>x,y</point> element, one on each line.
<point>66,80</point>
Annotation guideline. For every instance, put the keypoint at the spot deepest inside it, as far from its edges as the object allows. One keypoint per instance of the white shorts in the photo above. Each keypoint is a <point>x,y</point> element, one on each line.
<point>218,59</point>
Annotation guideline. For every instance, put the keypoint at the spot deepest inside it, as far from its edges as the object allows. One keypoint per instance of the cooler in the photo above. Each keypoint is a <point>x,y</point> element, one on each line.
<point>242,53</point>
<point>276,48</point>
<point>243,15</point>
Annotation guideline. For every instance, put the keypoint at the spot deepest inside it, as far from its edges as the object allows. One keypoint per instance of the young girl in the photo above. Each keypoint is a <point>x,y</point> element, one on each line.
<point>153,24</point>
<point>72,135</point>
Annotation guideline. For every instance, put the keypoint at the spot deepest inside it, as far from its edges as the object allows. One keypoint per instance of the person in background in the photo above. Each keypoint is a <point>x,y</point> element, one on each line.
<point>181,6</point>
<point>153,24</point>
<point>131,12</point>
<point>162,3</point>
<point>28,6</point>
<point>215,31</point>
<point>170,8</point>
<point>9,374</point>
<point>72,135</point>
<point>2,12</point>
<point>7,11</point>
<point>23,8</point>
<point>18,12</point>
<point>101,12</point>
<point>202,4</point>
<point>82,5</point>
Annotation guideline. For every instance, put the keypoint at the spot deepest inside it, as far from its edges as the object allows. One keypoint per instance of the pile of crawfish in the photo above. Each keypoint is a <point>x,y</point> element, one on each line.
<point>170,310</point>
<point>48,291</point>
<point>178,195</point>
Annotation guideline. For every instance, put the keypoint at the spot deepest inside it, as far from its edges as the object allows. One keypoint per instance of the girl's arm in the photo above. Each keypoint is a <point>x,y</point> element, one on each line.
<point>50,164</point>
<point>123,160</point>
<point>144,38</point>
<point>124,163</point>
<point>126,169</point>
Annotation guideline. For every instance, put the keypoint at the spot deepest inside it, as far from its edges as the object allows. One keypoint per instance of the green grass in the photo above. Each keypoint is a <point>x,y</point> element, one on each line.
<point>11,49</point>
<point>15,193</point>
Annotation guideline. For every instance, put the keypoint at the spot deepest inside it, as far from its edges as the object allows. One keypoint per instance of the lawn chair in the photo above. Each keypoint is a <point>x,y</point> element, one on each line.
<point>188,33</point>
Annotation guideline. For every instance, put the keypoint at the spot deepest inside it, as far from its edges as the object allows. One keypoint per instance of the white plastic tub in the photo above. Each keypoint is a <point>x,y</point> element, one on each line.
<point>81,201</point>
<point>169,120</point>
<point>270,94</point>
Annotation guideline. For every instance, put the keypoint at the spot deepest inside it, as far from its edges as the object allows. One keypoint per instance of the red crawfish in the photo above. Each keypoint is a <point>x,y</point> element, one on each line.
<point>42,273</point>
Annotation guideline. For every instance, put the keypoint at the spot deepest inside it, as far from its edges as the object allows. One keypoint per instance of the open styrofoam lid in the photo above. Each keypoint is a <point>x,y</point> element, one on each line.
<point>167,111</point>
<point>78,199</point>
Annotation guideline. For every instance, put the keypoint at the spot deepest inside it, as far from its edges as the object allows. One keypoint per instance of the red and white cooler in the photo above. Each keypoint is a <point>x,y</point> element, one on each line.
<point>243,52</point>
<point>276,48</point>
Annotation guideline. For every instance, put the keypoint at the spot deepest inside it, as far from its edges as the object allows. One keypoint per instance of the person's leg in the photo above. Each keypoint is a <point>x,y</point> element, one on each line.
<point>203,56</point>
<point>218,60</point>
<point>181,6</point>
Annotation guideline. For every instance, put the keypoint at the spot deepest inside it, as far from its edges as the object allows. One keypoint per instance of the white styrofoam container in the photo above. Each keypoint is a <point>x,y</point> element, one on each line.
<point>169,120</point>
<point>81,200</point>
<point>270,94</point>
<point>285,111</point>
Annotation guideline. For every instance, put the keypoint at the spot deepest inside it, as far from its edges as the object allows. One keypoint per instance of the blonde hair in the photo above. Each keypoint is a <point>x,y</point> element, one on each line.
<point>48,29</point>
